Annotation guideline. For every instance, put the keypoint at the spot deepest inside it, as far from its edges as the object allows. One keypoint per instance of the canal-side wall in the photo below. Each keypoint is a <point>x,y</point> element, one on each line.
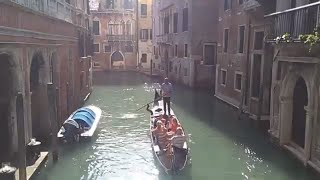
<point>35,49</point>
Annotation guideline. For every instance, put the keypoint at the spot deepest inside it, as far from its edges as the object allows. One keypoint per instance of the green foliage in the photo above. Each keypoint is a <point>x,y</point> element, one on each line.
<point>284,38</point>
<point>311,39</point>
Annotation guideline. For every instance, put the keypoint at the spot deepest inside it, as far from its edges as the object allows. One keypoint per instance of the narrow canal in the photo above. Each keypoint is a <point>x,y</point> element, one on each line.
<point>222,147</point>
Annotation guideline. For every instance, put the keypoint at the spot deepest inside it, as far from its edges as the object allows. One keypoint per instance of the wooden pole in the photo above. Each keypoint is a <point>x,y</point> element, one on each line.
<point>21,138</point>
<point>53,119</point>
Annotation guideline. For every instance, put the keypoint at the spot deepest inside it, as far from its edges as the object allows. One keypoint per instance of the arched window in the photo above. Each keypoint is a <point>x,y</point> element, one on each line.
<point>122,28</point>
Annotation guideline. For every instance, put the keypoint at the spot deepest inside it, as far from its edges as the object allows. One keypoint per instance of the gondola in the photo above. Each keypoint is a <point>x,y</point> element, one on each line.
<point>80,125</point>
<point>180,155</point>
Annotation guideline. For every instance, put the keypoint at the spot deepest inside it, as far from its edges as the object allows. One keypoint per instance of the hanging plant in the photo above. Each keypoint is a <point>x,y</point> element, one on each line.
<point>284,38</point>
<point>311,39</point>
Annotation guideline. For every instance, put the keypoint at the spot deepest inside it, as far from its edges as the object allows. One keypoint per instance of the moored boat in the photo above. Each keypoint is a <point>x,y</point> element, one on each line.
<point>171,159</point>
<point>81,124</point>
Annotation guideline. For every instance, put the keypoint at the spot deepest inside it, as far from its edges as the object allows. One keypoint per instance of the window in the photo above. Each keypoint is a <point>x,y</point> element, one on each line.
<point>175,23</point>
<point>110,4</point>
<point>144,10</point>
<point>176,70</point>
<point>144,34</point>
<point>151,36</point>
<point>240,2</point>
<point>128,4</point>
<point>166,22</point>
<point>185,72</point>
<point>144,58</point>
<point>107,48</point>
<point>258,40</point>
<point>176,50</point>
<point>241,39</point>
<point>154,65</point>
<point>129,48</point>
<point>256,75</point>
<point>186,50</point>
<point>170,66</point>
<point>185,20</point>
<point>226,40</point>
<point>154,50</point>
<point>96,64</point>
<point>159,67</point>
<point>238,81</point>
<point>209,54</point>
<point>96,48</point>
<point>223,79</point>
<point>227,4</point>
<point>96,27</point>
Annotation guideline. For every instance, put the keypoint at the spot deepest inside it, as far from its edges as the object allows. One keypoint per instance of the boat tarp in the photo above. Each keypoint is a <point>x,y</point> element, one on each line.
<point>84,116</point>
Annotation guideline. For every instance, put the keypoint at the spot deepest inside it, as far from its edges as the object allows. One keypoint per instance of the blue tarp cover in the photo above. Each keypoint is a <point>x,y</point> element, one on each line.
<point>84,116</point>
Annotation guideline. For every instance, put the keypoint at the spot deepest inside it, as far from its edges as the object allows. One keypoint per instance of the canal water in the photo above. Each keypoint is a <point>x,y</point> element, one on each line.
<point>222,147</point>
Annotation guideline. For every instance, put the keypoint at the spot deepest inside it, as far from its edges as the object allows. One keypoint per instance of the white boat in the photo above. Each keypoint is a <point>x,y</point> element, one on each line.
<point>81,124</point>
<point>180,156</point>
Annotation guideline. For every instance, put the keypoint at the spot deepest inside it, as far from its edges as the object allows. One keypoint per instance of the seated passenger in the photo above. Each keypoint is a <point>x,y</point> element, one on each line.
<point>177,141</point>
<point>161,134</point>
<point>174,124</point>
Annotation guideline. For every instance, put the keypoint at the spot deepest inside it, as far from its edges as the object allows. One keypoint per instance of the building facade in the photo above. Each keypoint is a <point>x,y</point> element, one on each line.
<point>182,49</point>
<point>115,38</point>
<point>145,35</point>
<point>244,68</point>
<point>294,119</point>
<point>41,43</point>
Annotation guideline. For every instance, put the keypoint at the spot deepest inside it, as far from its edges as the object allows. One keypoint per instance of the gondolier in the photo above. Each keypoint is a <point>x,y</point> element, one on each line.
<point>166,91</point>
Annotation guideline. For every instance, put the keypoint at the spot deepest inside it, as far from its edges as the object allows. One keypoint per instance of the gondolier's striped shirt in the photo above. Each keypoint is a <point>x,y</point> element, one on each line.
<point>178,141</point>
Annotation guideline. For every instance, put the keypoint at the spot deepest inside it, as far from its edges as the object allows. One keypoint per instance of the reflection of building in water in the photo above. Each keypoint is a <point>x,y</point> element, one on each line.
<point>114,32</point>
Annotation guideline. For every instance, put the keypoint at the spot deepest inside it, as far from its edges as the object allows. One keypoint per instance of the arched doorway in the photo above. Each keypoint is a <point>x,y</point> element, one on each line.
<point>300,100</point>
<point>117,60</point>
<point>6,89</point>
<point>39,99</point>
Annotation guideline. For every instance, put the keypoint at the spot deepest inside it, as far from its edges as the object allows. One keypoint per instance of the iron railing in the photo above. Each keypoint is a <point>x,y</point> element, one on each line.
<point>295,21</point>
<point>59,9</point>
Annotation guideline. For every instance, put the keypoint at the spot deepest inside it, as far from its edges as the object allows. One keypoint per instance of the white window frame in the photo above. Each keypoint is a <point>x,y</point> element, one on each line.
<point>98,48</point>
<point>221,70</point>
<point>235,81</point>
<point>244,38</point>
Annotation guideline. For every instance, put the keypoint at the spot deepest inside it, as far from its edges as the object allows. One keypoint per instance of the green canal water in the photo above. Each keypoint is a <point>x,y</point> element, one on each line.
<point>222,147</point>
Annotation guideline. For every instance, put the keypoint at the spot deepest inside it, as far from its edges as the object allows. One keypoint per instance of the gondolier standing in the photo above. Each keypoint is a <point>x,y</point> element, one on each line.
<point>166,91</point>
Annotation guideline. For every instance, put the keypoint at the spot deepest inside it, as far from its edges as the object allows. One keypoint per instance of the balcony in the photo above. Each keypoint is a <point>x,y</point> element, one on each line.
<point>250,5</point>
<point>165,38</point>
<point>120,37</point>
<point>296,21</point>
<point>55,8</point>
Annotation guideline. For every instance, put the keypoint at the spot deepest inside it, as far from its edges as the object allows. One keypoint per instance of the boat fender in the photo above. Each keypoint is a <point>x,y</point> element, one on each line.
<point>156,149</point>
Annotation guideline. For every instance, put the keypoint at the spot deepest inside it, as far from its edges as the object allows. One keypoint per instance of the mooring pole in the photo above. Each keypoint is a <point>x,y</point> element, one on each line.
<point>53,119</point>
<point>21,138</point>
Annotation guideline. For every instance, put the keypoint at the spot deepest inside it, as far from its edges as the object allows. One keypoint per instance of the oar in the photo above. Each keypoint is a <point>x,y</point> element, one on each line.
<point>149,103</point>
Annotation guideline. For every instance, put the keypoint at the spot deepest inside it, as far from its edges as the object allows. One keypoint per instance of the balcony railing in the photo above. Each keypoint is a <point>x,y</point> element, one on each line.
<point>120,37</point>
<point>54,8</point>
<point>296,21</point>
